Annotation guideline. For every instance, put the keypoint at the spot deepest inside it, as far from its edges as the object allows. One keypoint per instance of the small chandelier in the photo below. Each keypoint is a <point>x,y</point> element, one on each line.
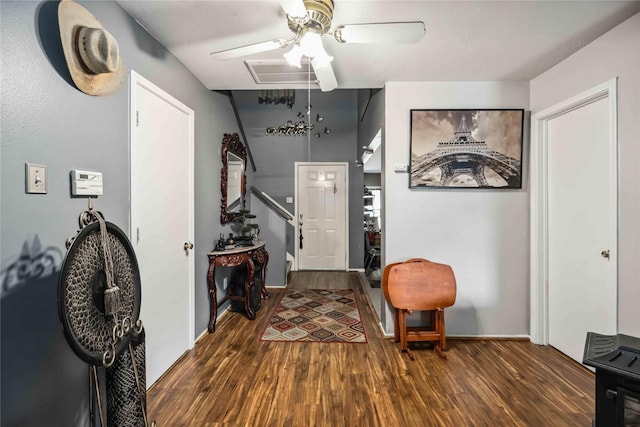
<point>299,128</point>
<point>283,96</point>
<point>291,129</point>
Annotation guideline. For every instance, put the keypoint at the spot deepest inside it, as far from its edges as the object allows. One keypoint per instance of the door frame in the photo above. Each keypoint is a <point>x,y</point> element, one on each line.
<point>346,210</point>
<point>539,256</point>
<point>138,80</point>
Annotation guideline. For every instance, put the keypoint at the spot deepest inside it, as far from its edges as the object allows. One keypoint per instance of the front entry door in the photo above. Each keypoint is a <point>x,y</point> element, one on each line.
<point>321,212</point>
<point>162,221</point>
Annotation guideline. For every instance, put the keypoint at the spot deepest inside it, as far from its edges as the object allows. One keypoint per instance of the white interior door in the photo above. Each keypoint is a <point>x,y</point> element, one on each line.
<point>162,221</point>
<point>321,212</point>
<point>582,243</point>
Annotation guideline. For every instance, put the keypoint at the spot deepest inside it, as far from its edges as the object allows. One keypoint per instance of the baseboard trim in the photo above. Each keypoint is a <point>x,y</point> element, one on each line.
<point>384,333</point>
<point>490,337</point>
<point>201,336</point>
<point>475,337</point>
<point>206,331</point>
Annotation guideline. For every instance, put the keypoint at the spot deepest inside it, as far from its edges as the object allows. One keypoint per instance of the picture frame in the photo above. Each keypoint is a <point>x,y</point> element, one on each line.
<point>470,148</point>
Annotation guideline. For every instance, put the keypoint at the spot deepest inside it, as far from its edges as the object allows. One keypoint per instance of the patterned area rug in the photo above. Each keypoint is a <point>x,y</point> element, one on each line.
<point>316,315</point>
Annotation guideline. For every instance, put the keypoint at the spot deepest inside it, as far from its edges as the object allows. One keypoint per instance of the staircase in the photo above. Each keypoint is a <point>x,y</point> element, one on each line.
<point>277,230</point>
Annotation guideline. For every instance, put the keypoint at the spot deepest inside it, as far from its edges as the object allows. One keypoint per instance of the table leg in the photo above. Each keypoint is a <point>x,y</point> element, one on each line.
<point>263,275</point>
<point>248,287</point>
<point>213,299</point>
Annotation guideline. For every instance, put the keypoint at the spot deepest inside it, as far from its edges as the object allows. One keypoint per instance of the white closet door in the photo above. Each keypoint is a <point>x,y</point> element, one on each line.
<point>581,216</point>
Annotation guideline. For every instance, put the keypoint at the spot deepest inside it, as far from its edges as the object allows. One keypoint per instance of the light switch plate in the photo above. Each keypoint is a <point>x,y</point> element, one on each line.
<point>289,199</point>
<point>35,179</point>
<point>398,167</point>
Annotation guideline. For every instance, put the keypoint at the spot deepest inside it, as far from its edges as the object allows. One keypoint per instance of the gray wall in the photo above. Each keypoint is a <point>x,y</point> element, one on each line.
<point>371,120</point>
<point>370,116</point>
<point>275,155</point>
<point>483,233</point>
<point>46,120</point>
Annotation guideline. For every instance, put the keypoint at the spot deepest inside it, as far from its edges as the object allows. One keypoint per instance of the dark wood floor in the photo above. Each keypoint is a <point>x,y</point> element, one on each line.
<point>231,378</point>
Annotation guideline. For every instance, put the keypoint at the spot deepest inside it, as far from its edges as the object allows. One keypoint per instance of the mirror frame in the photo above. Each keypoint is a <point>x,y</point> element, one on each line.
<point>231,144</point>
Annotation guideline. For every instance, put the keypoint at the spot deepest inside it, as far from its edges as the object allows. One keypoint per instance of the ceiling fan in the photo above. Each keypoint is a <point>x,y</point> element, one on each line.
<point>310,20</point>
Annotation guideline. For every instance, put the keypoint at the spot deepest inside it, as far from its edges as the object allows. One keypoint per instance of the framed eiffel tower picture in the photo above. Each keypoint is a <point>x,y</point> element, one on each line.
<point>466,148</point>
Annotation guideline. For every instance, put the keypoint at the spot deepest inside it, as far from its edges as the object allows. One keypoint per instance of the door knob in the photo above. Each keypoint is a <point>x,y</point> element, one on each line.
<point>605,254</point>
<point>188,245</point>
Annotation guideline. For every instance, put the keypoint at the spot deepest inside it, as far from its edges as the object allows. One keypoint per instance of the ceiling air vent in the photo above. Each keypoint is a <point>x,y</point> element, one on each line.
<point>279,71</point>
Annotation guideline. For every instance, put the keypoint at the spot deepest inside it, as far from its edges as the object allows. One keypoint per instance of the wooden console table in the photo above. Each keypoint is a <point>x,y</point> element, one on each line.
<point>248,255</point>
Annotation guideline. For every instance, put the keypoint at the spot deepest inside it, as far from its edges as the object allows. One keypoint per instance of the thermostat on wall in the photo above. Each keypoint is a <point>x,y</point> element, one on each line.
<point>86,183</point>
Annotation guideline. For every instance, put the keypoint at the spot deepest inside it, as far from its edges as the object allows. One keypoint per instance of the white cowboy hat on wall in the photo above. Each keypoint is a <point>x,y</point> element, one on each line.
<point>91,52</point>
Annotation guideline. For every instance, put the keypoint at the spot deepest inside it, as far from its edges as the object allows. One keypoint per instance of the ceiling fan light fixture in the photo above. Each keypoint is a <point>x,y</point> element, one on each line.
<point>309,21</point>
<point>294,56</point>
<point>311,44</point>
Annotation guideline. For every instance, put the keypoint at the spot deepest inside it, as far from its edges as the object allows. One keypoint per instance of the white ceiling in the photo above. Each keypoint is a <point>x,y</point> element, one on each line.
<point>465,40</point>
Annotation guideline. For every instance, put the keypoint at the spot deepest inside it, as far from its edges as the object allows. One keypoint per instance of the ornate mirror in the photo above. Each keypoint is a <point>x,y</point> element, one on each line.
<point>232,182</point>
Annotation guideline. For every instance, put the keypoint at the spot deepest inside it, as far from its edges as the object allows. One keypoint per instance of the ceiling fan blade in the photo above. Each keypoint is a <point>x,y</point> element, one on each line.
<point>294,8</point>
<point>382,32</point>
<point>324,74</point>
<point>250,49</point>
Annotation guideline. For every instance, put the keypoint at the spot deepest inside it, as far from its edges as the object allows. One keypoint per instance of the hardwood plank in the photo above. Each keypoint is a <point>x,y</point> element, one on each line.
<point>231,378</point>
